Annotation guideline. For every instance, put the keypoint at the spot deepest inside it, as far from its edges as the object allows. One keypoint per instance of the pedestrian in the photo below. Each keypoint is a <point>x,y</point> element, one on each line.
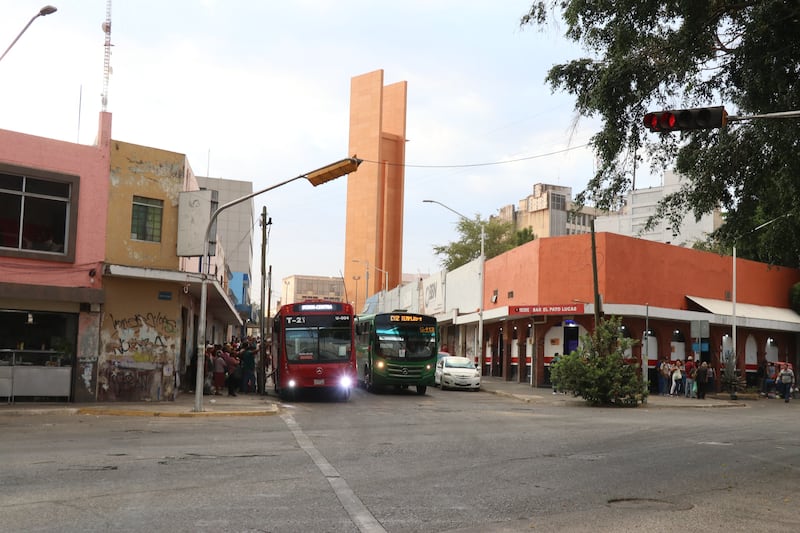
<point>711,384</point>
<point>761,376</point>
<point>220,367</point>
<point>248,360</point>
<point>770,379</point>
<point>701,379</point>
<point>234,375</point>
<point>689,370</point>
<point>677,378</point>
<point>786,382</point>
<point>663,376</point>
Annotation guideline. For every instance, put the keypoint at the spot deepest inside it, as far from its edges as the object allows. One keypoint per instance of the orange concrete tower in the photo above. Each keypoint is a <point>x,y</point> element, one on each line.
<point>374,231</point>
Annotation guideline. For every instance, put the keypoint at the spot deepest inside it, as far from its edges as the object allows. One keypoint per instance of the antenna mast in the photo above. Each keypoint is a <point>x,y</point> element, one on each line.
<point>107,57</point>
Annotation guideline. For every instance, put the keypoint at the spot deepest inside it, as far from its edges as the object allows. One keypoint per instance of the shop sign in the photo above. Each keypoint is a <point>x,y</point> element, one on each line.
<point>557,309</point>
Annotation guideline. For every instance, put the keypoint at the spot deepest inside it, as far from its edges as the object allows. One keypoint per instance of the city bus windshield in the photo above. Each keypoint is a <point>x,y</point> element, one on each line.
<point>317,344</point>
<point>405,342</point>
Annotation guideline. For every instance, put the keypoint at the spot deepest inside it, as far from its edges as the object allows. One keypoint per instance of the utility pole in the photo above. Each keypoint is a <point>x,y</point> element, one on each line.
<point>261,316</point>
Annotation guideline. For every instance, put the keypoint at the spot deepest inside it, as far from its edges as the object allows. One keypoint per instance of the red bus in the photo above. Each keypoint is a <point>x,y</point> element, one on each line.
<point>313,347</point>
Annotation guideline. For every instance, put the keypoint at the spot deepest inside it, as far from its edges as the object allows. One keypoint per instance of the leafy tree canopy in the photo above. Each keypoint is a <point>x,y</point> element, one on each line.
<point>647,55</point>
<point>499,238</point>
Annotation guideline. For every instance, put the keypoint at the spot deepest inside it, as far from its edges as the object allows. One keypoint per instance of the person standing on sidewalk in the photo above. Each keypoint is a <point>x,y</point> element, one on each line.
<point>701,378</point>
<point>689,375</point>
<point>219,373</point>
<point>663,376</point>
<point>248,362</point>
<point>677,378</point>
<point>786,382</point>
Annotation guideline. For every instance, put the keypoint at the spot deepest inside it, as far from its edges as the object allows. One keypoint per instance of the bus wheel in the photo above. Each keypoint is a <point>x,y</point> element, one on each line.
<point>421,389</point>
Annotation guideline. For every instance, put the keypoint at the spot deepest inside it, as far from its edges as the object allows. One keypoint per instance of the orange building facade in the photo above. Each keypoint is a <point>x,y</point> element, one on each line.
<point>374,220</point>
<point>539,301</point>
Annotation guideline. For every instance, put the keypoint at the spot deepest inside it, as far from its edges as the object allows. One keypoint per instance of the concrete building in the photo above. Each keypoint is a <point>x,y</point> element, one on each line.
<point>298,288</point>
<point>235,231</point>
<point>53,204</point>
<point>640,204</point>
<point>95,302</point>
<point>150,320</point>
<point>548,213</point>
<point>374,218</point>
<point>539,303</point>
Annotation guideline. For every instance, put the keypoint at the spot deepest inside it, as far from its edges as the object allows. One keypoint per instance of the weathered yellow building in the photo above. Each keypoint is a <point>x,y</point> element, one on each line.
<point>150,319</point>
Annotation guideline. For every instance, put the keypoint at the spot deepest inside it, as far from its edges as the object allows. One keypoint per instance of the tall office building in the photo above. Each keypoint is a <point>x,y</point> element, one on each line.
<point>374,223</point>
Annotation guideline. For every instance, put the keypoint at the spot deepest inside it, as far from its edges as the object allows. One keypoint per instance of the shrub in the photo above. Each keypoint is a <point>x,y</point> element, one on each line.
<point>598,371</point>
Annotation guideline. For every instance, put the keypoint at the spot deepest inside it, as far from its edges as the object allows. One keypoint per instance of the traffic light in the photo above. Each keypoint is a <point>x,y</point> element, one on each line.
<point>700,118</point>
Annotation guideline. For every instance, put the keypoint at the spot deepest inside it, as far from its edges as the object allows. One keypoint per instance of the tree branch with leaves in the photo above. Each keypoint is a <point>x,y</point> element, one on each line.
<point>645,55</point>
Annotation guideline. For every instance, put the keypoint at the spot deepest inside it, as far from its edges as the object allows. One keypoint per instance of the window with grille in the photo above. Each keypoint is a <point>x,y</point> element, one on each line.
<point>37,214</point>
<point>146,219</point>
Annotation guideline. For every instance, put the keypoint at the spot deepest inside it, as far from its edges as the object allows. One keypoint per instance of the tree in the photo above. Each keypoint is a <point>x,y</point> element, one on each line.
<point>648,55</point>
<point>524,235</point>
<point>598,370</point>
<point>498,239</point>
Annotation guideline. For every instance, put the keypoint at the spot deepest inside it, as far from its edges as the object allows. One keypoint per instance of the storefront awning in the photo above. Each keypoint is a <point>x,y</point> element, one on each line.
<point>747,311</point>
<point>218,303</point>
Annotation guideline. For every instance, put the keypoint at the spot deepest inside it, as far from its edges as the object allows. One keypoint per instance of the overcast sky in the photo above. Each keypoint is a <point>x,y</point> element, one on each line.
<point>259,91</point>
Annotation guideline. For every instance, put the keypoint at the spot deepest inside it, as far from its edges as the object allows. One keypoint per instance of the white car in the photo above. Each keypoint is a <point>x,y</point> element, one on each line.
<point>456,373</point>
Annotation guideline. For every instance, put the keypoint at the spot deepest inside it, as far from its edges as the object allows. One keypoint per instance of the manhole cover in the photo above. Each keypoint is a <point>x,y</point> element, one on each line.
<point>647,504</point>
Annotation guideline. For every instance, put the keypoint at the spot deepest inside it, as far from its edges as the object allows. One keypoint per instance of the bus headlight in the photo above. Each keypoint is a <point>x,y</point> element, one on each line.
<point>292,383</point>
<point>428,366</point>
<point>380,364</point>
<point>346,382</point>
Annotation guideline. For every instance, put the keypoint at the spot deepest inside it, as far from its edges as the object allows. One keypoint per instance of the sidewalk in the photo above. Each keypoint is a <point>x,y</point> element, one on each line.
<point>261,405</point>
<point>183,406</point>
<point>544,396</point>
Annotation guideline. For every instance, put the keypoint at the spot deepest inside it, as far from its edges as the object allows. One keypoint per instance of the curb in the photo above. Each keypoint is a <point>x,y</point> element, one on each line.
<point>99,411</point>
<point>578,400</point>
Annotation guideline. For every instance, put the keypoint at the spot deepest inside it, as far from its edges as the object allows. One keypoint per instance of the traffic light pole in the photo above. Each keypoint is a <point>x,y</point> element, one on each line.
<point>781,114</point>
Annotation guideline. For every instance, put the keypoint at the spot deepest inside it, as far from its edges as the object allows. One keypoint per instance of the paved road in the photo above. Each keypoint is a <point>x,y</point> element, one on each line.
<point>446,461</point>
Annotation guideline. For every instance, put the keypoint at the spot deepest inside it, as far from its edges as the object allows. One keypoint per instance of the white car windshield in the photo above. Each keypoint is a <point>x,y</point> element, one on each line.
<point>461,362</point>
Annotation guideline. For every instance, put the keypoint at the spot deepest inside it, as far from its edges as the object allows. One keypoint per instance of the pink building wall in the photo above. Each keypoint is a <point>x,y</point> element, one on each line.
<point>71,283</point>
<point>91,164</point>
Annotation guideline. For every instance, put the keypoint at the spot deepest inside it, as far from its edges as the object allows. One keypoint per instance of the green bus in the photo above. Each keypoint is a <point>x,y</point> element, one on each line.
<point>396,349</point>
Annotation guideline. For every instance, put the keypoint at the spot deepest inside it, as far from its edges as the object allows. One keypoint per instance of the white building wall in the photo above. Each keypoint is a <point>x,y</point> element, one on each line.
<point>641,204</point>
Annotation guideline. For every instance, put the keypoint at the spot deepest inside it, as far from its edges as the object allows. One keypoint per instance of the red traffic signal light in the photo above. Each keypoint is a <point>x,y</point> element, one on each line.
<point>700,118</point>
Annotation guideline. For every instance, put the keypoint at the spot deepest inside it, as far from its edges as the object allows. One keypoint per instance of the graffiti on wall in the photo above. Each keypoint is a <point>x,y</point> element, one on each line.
<point>139,351</point>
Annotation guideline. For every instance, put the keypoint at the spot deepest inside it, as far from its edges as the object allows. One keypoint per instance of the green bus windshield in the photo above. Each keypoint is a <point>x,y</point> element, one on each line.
<point>405,342</point>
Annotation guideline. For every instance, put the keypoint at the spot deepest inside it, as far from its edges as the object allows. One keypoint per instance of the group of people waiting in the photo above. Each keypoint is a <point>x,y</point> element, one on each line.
<point>230,366</point>
<point>776,381</point>
<point>690,379</point>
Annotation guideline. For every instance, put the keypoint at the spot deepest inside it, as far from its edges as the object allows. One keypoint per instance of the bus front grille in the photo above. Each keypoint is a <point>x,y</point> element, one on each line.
<point>402,371</point>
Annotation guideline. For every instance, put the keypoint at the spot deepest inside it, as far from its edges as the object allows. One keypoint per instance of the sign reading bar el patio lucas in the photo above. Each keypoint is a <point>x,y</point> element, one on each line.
<point>557,309</point>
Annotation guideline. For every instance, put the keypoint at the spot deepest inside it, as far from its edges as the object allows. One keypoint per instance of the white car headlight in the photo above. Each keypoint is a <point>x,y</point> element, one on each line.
<point>346,382</point>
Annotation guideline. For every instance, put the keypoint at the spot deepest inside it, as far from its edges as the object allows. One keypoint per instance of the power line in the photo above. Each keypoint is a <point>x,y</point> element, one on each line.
<point>469,165</point>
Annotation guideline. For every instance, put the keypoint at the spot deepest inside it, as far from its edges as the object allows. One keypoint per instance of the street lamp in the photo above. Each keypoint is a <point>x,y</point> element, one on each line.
<point>481,274</point>
<point>733,292</point>
<point>46,10</point>
<point>355,302</point>
<point>316,177</point>
<point>385,273</point>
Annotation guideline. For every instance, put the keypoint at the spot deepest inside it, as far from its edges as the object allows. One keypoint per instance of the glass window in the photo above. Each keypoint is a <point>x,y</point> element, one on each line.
<point>310,345</point>
<point>146,219</point>
<point>35,214</point>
